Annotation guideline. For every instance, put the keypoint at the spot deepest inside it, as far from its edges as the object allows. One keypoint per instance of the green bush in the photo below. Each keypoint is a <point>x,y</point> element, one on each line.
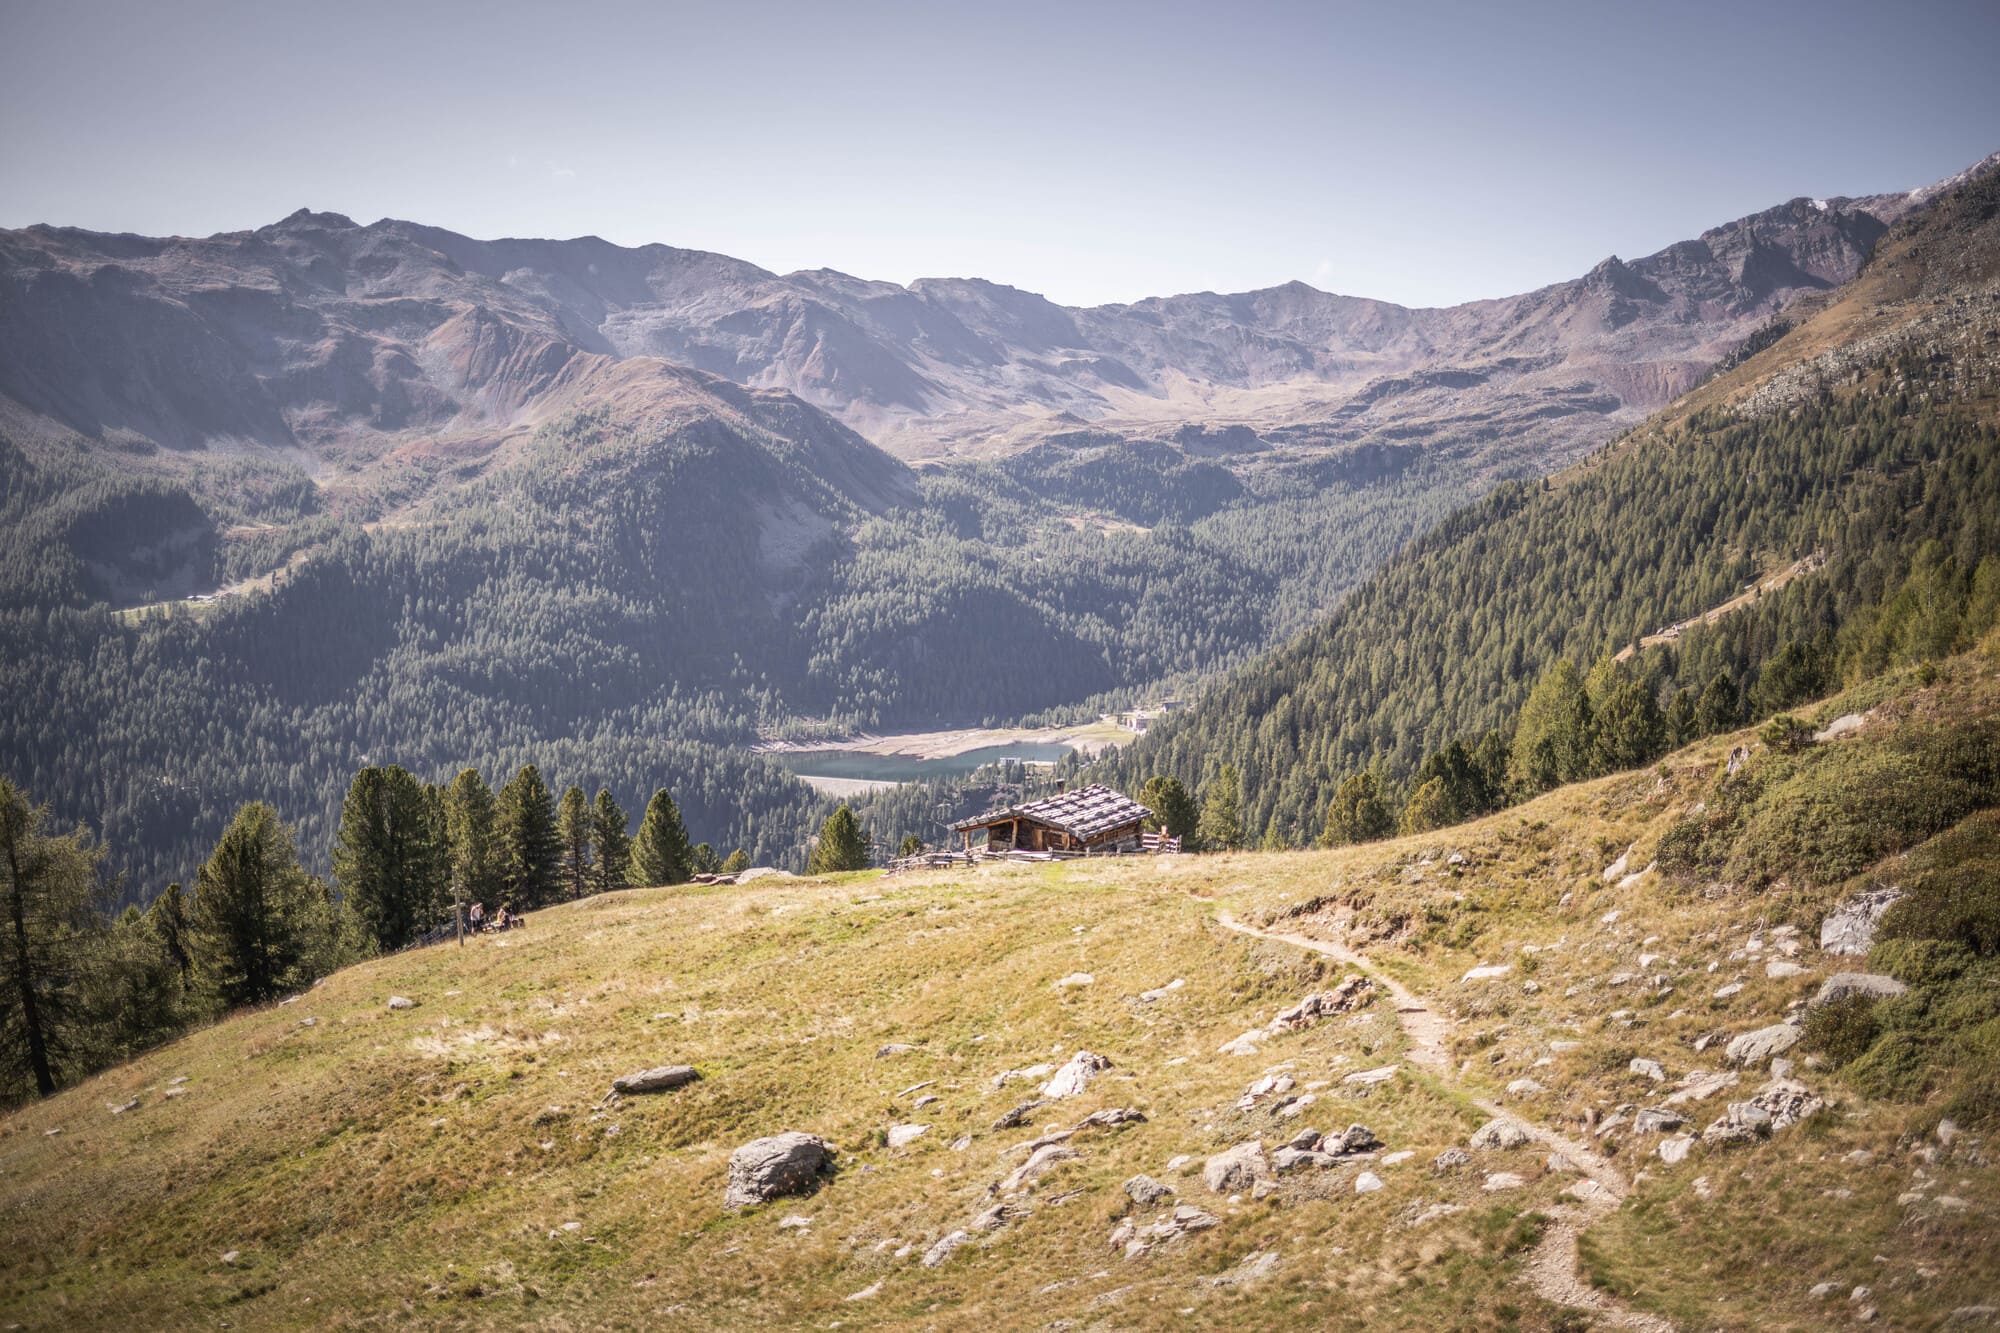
<point>1898,1066</point>
<point>1786,734</point>
<point>1843,1030</point>
<point>1920,963</point>
<point>1841,810</point>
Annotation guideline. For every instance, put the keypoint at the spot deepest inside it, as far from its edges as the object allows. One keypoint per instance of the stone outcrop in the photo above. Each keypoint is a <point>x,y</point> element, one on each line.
<point>771,1168</point>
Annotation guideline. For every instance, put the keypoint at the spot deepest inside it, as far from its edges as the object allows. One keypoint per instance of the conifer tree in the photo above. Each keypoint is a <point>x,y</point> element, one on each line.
<point>911,845</point>
<point>736,863</point>
<point>48,891</point>
<point>1173,807</point>
<point>1552,740</point>
<point>841,845</point>
<point>468,819</point>
<point>528,844</point>
<point>703,860</point>
<point>1358,812</point>
<point>259,922</point>
<point>169,918</point>
<point>573,826</point>
<point>1718,710</point>
<point>661,854</point>
<point>1430,807</point>
<point>1221,825</point>
<point>610,845</point>
<point>386,860</point>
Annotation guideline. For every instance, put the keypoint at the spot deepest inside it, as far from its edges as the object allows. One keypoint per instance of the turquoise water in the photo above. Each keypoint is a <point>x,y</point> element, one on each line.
<point>906,768</point>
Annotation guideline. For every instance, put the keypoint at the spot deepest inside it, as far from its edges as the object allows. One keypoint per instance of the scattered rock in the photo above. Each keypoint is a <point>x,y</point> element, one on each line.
<point>1502,1180</point>
<point>793,1222</point>
<point>1184,1219</point>
<point>664,1079</point>
<point>1525,1087</point>
<point>945,1248</point>
<point>1238,1168</point>
<point>1850,928</point>
<point>1074,1076</point>
<point>1356,1138</point>
<point>1398,1158</point>
<point>401,1002</point>
<point>1146,1191</point>
<point>1247,1044</point>
<point>1288,1158</point>
<point>1349,995</point>
<point>1616,870</point>
<point>1040,1162</point>
<point>1110,1118</point>
<point>1653,1120</point>
<point>1754,1048</point>
<point>1645,1068</point>
<point>893,1048</point>
<point>871,1290</point>
<point>1255,1265</point>
<point>1367,1183</point>
<point>1674,1150</point>
<point>1697,1086</point>
<point>1787,1102</point>
<point>1076,979</point>
<point>770,1168</point>
<point>1367,1077</point>
<point>122,1107</point>
<point>999,1215</point>
<point>1018,1117</point>
<point>1162,992</point>
<point>1487,972</point>
<point>1268,1086</point>
<point>1500,1136</point>
<point>1841,985</point>
<point>1778,969</point>
<point>231,1256</point>
<point>1451,1159</point>
<point>1724,992</point>
<point>1844,725</point>
<point>902,1136</point>
<point>1821,1290</point>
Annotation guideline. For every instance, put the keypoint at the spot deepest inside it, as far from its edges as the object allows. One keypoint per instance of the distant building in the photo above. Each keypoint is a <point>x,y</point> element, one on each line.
<point>1089,819</point>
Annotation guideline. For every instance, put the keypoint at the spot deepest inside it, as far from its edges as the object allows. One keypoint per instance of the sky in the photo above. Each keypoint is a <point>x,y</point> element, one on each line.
<point>1426,153</point>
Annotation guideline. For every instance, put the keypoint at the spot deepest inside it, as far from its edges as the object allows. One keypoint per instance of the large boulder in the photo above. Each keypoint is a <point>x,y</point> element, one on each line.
<point>1499,1136</point>
<point>1850,928</point>
<point>1754,1048</point>
<point>771,1168</point>
<point>1841,985</point>
<point>1074,1076</point>
<point>1237,1169</point>
<point>664,1079</point>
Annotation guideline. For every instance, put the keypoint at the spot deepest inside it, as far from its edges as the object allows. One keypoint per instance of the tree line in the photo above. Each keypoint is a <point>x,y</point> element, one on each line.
<point>81,987</point>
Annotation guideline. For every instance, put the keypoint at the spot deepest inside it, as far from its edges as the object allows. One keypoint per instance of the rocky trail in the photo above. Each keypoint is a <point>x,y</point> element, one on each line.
<point>1552,1266</point>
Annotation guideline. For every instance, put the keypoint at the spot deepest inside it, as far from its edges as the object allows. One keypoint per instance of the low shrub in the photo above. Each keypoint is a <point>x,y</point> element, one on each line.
<point>1844,1030</point>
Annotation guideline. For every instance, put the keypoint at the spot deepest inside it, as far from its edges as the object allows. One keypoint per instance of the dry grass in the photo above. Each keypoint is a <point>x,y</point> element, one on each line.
<point>421,1166</point>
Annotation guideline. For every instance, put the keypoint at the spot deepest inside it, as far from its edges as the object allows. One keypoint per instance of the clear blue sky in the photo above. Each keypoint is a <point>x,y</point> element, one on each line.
<point>1425,153</point>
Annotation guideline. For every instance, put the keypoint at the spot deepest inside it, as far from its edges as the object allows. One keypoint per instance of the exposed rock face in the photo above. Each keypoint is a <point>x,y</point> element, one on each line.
<point>1850,928</point>
<point>1841,985</point>
<point>1074,1076</point>
<point>1236,1169</point>
<point>945,1248</point>
<point>664,1079</point>
<point>1185,1219</point>
<point>774,1167</point>
<point>902,1136</point>
<point>1350,994</point>
<point>1040,1162</point>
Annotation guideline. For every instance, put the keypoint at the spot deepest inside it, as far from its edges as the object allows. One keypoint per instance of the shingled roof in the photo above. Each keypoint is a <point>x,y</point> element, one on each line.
<point>1083,813</point>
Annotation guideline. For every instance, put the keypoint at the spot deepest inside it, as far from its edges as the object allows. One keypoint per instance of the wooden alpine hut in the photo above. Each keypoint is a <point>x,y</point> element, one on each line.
<point>1089,819</point>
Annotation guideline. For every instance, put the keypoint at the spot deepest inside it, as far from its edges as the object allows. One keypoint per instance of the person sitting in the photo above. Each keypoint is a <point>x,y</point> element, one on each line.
<point>502,921</point>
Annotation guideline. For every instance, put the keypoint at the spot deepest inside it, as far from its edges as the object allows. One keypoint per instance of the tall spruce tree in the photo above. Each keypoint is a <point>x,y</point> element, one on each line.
<point>661,854</point>
<point>841,845</point>
<point>528,842</point>
<point>610,844</point>
<point>386,859</point>
<point>573,827</point>
<point>1173,808</point>
<point>468,822</point>
<point>1222,811</point>
<point>1358,812</point>
<point>260,925</point>
<point>169,915</point>
<point>49,886</point>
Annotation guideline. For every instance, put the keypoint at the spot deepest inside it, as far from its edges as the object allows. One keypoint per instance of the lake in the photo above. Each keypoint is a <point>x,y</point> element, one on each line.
<point>857,765</point>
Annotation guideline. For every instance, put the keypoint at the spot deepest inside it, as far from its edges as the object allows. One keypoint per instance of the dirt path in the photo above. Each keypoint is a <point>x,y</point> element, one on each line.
<point>1815,561</point>
<point>1552,1266</point>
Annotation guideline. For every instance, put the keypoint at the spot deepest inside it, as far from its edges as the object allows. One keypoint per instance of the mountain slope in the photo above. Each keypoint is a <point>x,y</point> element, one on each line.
<point>459,1162</point>
<point>1870,434</point>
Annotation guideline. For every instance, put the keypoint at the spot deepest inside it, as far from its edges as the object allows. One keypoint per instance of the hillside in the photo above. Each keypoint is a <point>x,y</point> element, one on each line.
<point>1867,435</point>
<point>335,1161</point>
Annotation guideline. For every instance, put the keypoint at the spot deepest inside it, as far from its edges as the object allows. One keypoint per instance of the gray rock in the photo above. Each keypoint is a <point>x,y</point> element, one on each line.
<point>1451,1159</point>
<point>1674,1150</point>
<point>1074,1076</point>
<point>1239,1168</point>
<point>1841,985</point>
<point>1040,1162</point>
<point>902,1136</point>
<point>1840,726</point>
<point>1356,1138</point>
<point>664,1079</point>
<point>1350,994</point>
<point>1754,1048</point>
<point>945,1248</point>
<point>1288,1158</point>
<point>1253,1267</point>
<point>1146,1191</point>
<point>401,1002</point>
<point>1018,1117</point>
<point>894,1048</point>
<point>1499,1136</point>
<point>1651,1069</point>
<point>1850,928</point>
<point>1653,1120</point>
<point>1367,1183</point>
<point>1111,1117</point>
<point>1306,1140</point>
<point>771,1168</point>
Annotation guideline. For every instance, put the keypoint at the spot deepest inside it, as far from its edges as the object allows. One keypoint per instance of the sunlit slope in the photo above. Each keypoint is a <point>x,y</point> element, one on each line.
<point>424,1165</point>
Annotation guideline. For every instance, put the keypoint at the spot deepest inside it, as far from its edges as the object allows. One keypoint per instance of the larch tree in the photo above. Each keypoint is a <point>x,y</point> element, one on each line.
<point>528,843</point>
<point>50,885</point>
<point>610,844</point>
<point>661,854</point>
<point>573,827</point>
<point>1358,813</point>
